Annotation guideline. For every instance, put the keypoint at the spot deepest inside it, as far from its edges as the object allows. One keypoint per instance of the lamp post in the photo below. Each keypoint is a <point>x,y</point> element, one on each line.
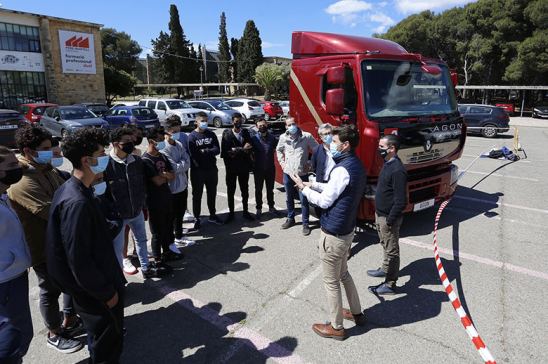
<point>201,78</point>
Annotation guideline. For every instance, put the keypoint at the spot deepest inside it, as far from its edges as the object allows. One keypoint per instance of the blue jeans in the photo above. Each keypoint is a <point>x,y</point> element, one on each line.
<point>15,320</point>
<point>137,226</point>
<point>290,191</point>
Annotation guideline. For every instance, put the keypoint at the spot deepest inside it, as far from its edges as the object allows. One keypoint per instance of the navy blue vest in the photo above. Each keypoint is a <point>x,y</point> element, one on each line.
<point>340,217</point>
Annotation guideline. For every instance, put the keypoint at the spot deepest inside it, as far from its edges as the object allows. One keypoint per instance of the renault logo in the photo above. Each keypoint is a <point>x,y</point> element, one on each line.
<point>428,145</point>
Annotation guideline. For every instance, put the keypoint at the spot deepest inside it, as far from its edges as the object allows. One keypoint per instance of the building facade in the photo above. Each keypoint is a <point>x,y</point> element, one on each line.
<point>44,58</point>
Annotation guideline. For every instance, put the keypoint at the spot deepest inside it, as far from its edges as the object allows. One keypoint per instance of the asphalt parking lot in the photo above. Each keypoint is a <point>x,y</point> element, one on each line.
<point>248,292</point>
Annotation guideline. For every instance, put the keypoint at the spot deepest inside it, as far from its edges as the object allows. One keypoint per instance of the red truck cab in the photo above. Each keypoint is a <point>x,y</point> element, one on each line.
<point>382,89</point>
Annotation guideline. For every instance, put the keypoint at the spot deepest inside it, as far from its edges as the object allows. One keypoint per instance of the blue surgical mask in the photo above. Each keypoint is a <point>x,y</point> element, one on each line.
<point>56,162</point>
<point>99,188</point>
<point>327,139</point>
<point>102,163</point>
<point>160,145</point>
<point>203,125</point>
<point>335,152</point>
<point>292,129</point>
<point>44,156</point>
<point>176,136</point>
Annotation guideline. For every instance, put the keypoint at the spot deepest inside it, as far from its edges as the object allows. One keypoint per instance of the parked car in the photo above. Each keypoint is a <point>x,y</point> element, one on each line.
<point>165,107</point>
<point>10,121</point>
<point>486,120</point>
<point>33,112</point>
<point>219,113</point>
<point>140,116</point>
<point>97,108</point>
<point>285,107</point>
<point>125,103</point>
<point>540,111</point>
<point>509,108</point>
<point>272,110</point>
<point>63,120</point>
<point>250,109</point>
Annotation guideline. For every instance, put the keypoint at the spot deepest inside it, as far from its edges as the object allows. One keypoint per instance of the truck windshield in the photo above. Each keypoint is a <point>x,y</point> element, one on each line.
<point>402,89</point>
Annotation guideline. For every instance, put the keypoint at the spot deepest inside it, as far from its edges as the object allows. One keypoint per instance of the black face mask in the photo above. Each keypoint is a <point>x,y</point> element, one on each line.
<point>128,147</point>
<point>238,125</point>
<point>12,176</point>
<point>383,152</point>
<point>138,141</point>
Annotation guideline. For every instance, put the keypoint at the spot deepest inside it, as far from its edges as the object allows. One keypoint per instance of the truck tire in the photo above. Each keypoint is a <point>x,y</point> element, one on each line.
<point>489,131</point>
<point>217,122</point>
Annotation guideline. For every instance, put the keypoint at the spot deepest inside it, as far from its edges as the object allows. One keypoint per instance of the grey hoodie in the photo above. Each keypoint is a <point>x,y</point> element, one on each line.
<point>14,251</point>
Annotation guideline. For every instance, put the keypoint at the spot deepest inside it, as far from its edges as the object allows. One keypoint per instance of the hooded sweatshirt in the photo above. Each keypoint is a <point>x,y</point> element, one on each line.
<point>14,252</point>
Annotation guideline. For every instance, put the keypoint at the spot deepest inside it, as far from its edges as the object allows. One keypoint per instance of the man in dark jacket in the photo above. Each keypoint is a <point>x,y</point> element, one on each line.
<point>264,172</point>
<point>79,247</point>
<point>204,148</point>
<point>236,151</point>
<point>126,181</point>
<point>339,200</point>
<point>322,162</point>
<point>390,201</point>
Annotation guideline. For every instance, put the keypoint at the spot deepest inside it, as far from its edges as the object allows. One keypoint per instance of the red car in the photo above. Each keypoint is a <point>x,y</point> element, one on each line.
<point>33,112</point>
<point>272,110</point>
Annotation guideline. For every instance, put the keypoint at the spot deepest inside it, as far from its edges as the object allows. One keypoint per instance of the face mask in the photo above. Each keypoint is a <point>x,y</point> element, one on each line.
<point>327,139</point>
<point>176,136</point>
<point>160,145</point>
<point>333,148</point>
<point>101,165</point>
<point>138,141</point>
<point>99,188</point>
<point>44,156</point>
<point>292,129</point>
<point>12,176</point>
<point>203,125</point>
<point>238,125</point>
<point>128,147</point>
<point>383,152</point>
<point>56,162</point>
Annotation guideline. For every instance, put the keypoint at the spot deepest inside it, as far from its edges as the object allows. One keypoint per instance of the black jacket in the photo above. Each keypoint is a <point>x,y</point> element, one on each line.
<point>391,195</point>
<point>79,249</point>
<point>126,187</point>
<point>233,153</point>
<point>204,148</point>
<point>319,163</point>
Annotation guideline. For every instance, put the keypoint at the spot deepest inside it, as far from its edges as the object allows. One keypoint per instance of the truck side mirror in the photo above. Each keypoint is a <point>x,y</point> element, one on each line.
<point>334,101</point>
<point>335,75</point>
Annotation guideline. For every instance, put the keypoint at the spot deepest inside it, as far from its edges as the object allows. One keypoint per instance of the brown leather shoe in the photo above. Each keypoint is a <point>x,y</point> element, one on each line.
<point>358,319</point>
<point>326,330</point>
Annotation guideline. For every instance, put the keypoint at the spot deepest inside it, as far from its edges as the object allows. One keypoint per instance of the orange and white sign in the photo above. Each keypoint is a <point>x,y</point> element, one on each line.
<point>77,52</point>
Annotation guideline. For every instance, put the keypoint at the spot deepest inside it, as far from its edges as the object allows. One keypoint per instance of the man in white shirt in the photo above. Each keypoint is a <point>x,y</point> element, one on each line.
<point>339,200</point>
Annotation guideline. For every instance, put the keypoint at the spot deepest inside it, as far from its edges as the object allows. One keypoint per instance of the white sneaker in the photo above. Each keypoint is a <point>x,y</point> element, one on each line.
<point>183,243</point>
<point>129,268</point>
<point>174,248</point>
<point>188,217</point>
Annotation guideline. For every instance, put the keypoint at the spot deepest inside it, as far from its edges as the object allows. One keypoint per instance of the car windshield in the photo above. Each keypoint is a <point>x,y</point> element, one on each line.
<point>403,89</point>
<point>219,105</point>
<point>143,111</point>
<point>101,109</point>
<point>177,104</point>
<point>73,113</point>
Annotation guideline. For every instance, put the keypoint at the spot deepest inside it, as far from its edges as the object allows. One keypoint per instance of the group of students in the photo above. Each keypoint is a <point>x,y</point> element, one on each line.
<point>73,229</point>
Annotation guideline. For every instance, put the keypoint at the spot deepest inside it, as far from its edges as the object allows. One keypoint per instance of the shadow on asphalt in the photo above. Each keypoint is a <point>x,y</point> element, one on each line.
<point>413,303</point>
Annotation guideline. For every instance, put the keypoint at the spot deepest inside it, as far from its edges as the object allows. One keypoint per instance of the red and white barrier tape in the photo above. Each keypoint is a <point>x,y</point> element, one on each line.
<point>464,319</point>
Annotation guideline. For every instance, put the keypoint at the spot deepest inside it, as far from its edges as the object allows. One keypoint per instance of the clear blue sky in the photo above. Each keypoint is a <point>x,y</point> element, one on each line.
<point>274,19</point>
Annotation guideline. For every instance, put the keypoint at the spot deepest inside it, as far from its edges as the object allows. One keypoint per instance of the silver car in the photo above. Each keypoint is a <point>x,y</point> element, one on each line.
<point>219,113</point>
<point>64,120</point>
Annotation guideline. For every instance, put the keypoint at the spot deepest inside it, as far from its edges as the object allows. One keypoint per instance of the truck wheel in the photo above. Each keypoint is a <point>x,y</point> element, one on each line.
<point>489,131</point>
<point>217,122</point>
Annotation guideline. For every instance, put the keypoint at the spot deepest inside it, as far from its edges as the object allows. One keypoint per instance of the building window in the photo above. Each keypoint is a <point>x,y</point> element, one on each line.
<point>22,38</point>
<point>18,88</point>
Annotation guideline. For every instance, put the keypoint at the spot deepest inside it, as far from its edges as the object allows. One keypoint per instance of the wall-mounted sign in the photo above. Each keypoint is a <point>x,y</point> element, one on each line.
<point>21,61</point>
<point>77,52</point>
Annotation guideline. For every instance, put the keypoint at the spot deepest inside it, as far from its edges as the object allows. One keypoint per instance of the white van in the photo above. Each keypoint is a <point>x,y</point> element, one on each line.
<point>167,107</point>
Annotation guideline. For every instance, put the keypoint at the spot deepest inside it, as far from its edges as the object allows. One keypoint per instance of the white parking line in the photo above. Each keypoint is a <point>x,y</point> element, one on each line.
<point>501,204</point>
<point>503,176</point>
<point>467,211</point>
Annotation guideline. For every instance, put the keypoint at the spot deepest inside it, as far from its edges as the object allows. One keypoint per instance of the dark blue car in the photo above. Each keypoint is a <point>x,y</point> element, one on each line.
<point>142,117</point>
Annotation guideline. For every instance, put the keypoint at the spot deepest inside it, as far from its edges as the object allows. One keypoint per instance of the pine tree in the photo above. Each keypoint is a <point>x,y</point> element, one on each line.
<point>234,51</point>
<point>224,51</point>
<point>164,61</point>
<point>185,70</point>
<point>250,54</point>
